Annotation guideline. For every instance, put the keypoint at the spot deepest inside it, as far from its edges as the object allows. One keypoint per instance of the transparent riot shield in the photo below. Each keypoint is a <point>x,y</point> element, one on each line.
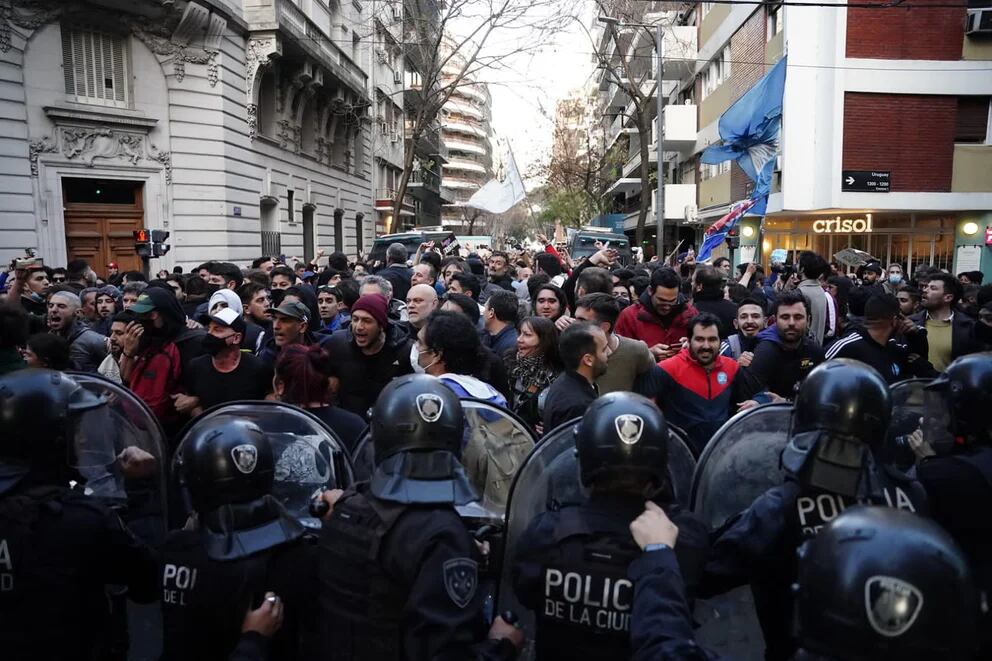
<point>937,423</point>
<point>549,479</point>
<point>120,455</point>
<point>495,444</point>
<point>309,456</point>
<point>908,408</point>
<point>740,463</point>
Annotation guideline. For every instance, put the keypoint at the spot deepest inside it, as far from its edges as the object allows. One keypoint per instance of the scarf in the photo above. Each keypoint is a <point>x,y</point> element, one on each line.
<point>532,371</point>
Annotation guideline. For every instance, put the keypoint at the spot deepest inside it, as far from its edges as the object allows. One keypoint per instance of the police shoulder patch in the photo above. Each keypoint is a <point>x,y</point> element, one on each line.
<point>245,457</point>
<point>461,578</point>
<point>891,605</point>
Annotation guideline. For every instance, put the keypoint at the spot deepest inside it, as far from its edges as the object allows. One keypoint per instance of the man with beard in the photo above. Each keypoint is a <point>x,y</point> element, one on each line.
<point>784,355</point>
<point>695,388</point>
<point>368,354</point>
<point>106,304</point>
<point>660,316</point>
<point>750,321</point>
<point>30,291</point>
<point>87,349</point>
<point>499,263</point>
<point>290,325</point>
<point>582,348</point>
<point>421,301</point>
<point>111,365</point>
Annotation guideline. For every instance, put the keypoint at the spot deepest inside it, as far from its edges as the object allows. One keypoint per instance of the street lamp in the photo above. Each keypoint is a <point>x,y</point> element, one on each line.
<point>659,46</point>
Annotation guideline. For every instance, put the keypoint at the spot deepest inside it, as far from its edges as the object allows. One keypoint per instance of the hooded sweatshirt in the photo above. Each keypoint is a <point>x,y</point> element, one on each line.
<point>777,368</point>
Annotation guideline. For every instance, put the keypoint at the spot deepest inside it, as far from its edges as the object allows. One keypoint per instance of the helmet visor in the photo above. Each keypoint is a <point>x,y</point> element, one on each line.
<point>938,423</point>
<point>93,455</point>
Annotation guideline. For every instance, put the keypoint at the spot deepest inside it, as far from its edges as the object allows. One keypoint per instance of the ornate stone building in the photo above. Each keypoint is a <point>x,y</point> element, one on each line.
<point>240,126</point>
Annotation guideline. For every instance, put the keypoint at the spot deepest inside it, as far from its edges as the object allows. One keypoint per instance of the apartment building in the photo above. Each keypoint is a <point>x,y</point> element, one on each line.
<point>886,119</point>
<point>466,130</point>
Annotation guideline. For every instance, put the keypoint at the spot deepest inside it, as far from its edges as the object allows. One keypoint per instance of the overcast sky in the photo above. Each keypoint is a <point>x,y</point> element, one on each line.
<point>524,99</point>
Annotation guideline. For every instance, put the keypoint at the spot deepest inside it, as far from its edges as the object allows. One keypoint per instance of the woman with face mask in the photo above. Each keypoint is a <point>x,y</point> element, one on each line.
<point>302,378</point>
<point>533,367</point>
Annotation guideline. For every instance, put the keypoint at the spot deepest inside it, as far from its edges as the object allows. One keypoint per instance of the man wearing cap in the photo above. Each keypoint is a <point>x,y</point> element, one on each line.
<point>151,364</point>
<point>225,373</point>
<point>114,274</point>
<point>290,325</point>
<point>368,354</point>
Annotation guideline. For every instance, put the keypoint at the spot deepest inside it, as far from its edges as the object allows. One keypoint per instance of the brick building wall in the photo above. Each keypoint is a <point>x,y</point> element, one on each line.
<point>906,33</point>
<point>910,135</point>
<point>747,52</point>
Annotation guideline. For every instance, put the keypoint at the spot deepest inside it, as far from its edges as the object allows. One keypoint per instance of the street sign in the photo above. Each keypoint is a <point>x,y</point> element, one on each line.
<point>864,181</point>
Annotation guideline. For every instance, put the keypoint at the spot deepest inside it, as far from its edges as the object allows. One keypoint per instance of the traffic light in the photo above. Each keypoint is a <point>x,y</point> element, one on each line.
<point>150,243</point>
<point>159,245</point>
<point>734,238</point>
<point>142,243</point>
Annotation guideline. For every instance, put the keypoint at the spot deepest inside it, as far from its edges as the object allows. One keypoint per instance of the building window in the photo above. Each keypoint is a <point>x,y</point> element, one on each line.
<point>708,171</point>
<point>96,67</point>
<point>716,72</point>
<point>291,205</point>
<point>775,21</point>
<point>972,124</point>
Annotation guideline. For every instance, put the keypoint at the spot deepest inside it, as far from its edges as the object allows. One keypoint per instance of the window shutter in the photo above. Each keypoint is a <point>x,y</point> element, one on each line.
<point>972,120</point>
<point>95,67</point>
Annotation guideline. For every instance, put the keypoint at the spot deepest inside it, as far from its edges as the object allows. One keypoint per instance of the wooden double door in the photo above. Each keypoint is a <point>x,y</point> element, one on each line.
<point>100,219</point>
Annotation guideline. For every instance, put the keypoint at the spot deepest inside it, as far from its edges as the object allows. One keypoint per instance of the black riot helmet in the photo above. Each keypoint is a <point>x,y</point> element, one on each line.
<point>416,412</point>
<point>39,412</point>
<point>226,462</point>
<point>844,398</point>
<point>622,434</point>
<point>965,389</point>
<point>883,583</point>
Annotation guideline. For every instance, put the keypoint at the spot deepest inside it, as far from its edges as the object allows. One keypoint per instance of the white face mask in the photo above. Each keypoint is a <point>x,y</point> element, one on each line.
<point>415,360</point>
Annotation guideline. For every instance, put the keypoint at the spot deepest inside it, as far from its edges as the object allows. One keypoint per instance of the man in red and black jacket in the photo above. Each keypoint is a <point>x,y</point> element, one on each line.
<point>660,317</point>
<point>695,388</point>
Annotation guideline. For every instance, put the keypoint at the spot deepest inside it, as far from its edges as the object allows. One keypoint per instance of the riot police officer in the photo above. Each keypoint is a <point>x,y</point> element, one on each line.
<point>59,548</point>
<point>571,565</point>
<point>242,549</point>
<point>398,569</point>
<point>958,481</point>
<point>832,461</point>
<point>875,583</point>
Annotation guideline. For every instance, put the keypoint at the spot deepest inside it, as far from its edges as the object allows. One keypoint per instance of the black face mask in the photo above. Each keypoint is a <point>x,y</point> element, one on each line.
<point>213,345</point>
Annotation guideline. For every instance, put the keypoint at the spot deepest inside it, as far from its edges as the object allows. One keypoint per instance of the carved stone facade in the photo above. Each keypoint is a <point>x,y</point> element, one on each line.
<point>218,157</point>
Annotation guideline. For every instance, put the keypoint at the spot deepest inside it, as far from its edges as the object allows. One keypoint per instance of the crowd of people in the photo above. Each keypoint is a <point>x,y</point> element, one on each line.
<point>533,332</point>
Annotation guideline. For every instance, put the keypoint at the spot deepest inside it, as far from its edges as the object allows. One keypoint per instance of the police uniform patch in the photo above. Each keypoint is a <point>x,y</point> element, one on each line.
<point>245,457</point>
<point>461,577</point>
<point>892,605</point>
<point>629,428</point>
<point>430,407</point>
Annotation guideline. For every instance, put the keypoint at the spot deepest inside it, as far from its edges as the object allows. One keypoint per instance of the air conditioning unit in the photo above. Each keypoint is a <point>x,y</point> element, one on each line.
<point>395,137</point>
<point>384,127</point>
<point>381,55</point>
<point>397,77</point>
<point>691,213</point>
<point>397,12</point>
<point>979,21</point>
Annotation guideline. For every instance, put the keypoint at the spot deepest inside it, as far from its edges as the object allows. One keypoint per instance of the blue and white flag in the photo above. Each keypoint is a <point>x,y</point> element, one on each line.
<point>749,130</point>
<point>717,232</point>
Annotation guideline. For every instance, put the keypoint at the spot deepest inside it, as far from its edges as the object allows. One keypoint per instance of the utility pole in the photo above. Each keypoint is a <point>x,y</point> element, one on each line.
<point>659,212</point>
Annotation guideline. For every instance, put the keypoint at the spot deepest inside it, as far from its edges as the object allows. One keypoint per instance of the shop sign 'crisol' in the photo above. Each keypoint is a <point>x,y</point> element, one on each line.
<point>840,225</point>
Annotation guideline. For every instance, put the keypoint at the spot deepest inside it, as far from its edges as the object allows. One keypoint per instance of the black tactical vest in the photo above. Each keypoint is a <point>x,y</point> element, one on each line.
<point>362,607</point>
<point>586,595</point>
